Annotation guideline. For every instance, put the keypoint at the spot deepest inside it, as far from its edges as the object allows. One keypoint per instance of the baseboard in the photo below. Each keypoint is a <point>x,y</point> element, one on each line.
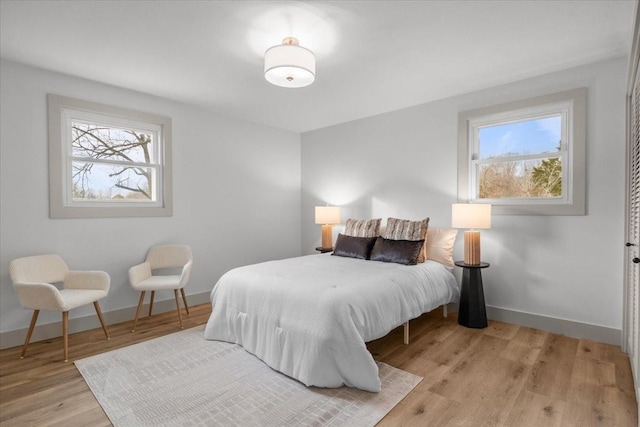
<point>52,330</point>
<point>556,325</point>
<point>552,324</point>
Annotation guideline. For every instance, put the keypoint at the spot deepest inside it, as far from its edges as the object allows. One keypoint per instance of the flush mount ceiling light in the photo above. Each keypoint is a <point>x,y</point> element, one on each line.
<point>289,65</point>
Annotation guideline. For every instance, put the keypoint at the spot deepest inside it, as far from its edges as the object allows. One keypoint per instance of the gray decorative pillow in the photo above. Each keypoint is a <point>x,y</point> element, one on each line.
<point>354,247</point>
<point>362,227</point>
<point>403,229</point>
<point>399,251</point>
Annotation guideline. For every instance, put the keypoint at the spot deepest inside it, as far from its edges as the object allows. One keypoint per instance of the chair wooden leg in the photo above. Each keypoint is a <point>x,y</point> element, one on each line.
<point>99,312</point>
<point>65,334</point>
<point>153,294</point>
<point>138,310</point>
<point>34,318</point>
<point>184,299</point>
<point>175,293</point>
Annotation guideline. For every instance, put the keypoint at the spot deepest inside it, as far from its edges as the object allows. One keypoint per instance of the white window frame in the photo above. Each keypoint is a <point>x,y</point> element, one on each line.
<point>64,110</point>
<point>571,106</point>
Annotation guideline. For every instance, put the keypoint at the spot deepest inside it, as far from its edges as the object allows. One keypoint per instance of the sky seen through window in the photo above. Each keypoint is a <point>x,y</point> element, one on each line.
<point>520,138</point>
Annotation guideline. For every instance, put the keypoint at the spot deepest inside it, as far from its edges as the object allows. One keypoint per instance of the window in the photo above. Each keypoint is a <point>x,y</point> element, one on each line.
<point>525,157</point>
<point>107,162</point>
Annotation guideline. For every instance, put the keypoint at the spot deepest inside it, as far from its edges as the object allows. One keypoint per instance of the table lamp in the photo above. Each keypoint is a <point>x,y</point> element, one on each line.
<point>473,216</point>
<point>327,216</point>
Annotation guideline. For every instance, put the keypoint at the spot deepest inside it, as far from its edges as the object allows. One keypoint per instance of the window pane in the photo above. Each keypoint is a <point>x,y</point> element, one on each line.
<point>100,182</point>
<point>521,179</point>
<point>535,136</point>
<point>104,142</point>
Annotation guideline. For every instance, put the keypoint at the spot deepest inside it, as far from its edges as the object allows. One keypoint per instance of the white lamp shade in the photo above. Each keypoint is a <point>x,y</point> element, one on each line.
<point>327,215</point>
<point>470,215</point>
<point>289,65</point>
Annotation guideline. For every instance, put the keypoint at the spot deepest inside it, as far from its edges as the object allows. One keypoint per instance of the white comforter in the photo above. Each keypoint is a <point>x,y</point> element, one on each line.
<point>309,317</point>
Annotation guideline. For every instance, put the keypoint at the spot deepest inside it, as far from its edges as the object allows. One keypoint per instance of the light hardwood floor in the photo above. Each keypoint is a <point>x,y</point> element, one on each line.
<point>504,375</point>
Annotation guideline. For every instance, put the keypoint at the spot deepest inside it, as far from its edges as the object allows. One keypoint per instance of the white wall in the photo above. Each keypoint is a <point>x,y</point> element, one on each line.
<point>236,194</point>
<point>555,268</point>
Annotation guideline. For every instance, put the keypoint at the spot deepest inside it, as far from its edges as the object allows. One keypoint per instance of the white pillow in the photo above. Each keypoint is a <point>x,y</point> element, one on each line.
<point>439,245</point>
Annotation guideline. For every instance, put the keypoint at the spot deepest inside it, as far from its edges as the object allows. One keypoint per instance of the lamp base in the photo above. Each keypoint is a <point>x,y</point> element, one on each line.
<point>327,236</point>
<point>472,247</point>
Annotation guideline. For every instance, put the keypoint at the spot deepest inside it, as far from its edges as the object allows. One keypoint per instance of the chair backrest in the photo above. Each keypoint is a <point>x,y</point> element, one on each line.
<point>169,256</point>
<point>39,268</point>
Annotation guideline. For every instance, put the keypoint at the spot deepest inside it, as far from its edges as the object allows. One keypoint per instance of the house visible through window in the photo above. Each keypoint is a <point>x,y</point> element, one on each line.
<point>525,157</point>
<point>107,161</point>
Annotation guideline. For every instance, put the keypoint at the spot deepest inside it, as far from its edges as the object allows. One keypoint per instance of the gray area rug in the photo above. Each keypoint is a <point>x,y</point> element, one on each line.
<point>184,380</point>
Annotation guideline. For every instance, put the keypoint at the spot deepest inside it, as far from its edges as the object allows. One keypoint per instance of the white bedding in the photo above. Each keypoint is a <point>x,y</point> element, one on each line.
<point>309,317</point>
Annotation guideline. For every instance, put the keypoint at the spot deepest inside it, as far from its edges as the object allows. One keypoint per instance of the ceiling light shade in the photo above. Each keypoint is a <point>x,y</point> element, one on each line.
<point>289,65</point>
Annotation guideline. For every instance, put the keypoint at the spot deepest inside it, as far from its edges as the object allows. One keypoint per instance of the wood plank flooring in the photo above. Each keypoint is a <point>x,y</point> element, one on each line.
<point>504,375</point>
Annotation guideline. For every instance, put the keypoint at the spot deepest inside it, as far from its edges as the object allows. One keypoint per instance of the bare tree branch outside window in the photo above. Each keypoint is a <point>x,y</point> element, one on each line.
<point>111,163</point>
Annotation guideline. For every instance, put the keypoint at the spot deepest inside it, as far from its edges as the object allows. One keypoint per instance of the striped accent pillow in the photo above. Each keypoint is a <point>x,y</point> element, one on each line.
<point>403,229</point>
<point>362,227</point>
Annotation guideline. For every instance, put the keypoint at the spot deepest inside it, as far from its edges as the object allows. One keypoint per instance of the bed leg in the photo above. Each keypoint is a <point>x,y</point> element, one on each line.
<point>444,310</point>
<point>406,332</point>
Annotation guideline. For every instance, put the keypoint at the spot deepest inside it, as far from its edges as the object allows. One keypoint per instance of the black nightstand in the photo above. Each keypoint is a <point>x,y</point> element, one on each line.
<point>472,312</point>
<point>324,250</point>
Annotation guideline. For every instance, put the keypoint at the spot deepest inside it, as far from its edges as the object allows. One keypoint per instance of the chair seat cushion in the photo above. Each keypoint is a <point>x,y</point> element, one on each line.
<point>73,298</point>
<point>158,283</point>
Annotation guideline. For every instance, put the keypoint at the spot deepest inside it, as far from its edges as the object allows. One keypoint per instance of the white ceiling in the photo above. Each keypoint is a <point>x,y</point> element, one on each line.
<point>372,56</point>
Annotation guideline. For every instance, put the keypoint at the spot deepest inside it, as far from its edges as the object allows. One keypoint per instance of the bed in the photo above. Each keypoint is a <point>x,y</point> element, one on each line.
<point>309,317</point>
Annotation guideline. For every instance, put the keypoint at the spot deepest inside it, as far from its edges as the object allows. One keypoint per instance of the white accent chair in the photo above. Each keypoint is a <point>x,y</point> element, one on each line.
<point>142,279</point>
<point>32,279</point>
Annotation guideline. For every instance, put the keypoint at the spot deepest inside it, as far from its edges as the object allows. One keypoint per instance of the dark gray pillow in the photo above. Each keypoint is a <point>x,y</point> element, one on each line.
<point>354,247</point>
<point>399,251</point>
